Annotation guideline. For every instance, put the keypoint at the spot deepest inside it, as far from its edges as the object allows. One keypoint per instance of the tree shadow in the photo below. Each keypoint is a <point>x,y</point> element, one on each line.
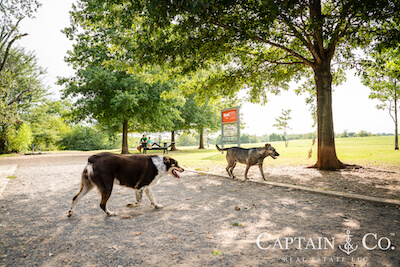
<point>202,214</point>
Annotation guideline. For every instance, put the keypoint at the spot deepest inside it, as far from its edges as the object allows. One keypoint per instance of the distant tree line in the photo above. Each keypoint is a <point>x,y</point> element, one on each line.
<point>361,134</point>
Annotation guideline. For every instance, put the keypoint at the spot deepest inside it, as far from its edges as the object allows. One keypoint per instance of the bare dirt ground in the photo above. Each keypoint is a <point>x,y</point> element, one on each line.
<point>369,181</point>
<point>207,220</point>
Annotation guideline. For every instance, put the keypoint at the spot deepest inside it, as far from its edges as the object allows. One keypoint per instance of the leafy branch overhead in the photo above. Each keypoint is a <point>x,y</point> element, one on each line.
<point>257,46</point>
<point>381,73</point>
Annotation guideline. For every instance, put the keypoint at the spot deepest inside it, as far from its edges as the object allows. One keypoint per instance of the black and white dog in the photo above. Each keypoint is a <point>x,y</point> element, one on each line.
<point>136,171</point>
<point>248,156</point>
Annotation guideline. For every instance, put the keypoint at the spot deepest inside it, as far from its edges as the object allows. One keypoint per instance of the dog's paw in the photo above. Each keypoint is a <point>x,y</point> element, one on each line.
<point>70,214</point>
<point>158,206</point>
<point>133,205</point>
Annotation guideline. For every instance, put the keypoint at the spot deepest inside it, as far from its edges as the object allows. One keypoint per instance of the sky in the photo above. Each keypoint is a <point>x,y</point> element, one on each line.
<point>352,109</point>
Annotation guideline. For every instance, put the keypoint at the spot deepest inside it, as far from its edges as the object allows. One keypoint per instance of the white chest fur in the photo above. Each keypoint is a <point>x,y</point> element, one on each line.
<point>158,161</point>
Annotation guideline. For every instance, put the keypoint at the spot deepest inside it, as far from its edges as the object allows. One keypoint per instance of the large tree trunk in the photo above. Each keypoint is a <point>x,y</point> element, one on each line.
<point>396,132</point>
<point>327,158</point>
<point>173,147</point>
<point>125,149</point>
<point>201,145</point>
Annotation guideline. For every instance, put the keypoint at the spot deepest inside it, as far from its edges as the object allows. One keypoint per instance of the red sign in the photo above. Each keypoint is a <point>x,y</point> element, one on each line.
<point>229,116</point>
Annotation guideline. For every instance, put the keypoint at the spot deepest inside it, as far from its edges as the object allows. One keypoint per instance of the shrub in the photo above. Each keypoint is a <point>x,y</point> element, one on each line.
<point>275,137</point>
<point>186,140</point>
<point>85,139</point>
<point>19,140</point>
<point>364,134</point>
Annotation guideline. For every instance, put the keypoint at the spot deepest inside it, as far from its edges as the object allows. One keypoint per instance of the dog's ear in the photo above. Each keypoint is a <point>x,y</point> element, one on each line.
<point>166,160</point>
<point>267,146</point>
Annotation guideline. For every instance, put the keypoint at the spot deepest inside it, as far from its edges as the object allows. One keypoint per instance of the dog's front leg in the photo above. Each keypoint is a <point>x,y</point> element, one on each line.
<point>150,196</point>
<point>247,170</point>
<point>139,195</point>
<point>260,165</point>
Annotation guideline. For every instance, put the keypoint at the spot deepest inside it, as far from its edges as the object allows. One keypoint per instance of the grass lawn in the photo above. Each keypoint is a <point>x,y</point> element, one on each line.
<point>365,151</point>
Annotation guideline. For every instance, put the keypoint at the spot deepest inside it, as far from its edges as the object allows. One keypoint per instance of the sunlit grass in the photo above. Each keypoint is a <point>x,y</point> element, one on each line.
<point>365,151</point>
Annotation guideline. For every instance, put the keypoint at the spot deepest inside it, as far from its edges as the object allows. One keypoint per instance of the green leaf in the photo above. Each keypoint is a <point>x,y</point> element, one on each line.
<point>216,252</point>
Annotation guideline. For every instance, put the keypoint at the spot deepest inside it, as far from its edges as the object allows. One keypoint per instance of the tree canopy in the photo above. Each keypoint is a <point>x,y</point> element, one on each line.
<point>12,12</point>
<point>20,75</point>
<point>20,87</point>
<point>256,45</point>
<point>121,101</point>
<point>382,75</point>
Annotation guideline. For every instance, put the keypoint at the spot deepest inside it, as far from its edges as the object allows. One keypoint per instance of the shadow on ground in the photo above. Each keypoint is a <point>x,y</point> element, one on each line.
<point>367,181</point>
<point>203,215</point>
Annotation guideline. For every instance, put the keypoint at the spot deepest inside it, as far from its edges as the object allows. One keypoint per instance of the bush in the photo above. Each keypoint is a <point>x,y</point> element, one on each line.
<point>19,140</point>
<point>249,138</point>
<point>275,137</point>
<point>364,134</point>
<point>186,140</point>
<point>85,139</point>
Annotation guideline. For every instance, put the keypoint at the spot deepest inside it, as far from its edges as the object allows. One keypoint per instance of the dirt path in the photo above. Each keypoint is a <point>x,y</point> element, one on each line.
<point>207,221</point>
<point>369,181</point>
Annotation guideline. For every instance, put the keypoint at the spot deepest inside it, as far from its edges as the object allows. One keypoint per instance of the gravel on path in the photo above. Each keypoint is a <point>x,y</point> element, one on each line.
<point>207,221</point>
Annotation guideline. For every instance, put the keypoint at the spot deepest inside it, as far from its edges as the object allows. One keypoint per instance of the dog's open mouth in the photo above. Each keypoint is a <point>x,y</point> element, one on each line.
<point>272,156</point>
<point>175,174</point>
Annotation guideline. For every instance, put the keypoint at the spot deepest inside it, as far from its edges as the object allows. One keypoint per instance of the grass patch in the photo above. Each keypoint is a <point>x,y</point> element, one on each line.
<point>11,177</point>
<point>365,151</point>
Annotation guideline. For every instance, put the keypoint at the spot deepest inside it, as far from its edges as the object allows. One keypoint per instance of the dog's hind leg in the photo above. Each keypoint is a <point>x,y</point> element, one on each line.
<point>139,195</point>
<point>229,169</point>
<point>105,190</point>
<point>233,165</point>
<point>150,196</point>
<point>86,186</point>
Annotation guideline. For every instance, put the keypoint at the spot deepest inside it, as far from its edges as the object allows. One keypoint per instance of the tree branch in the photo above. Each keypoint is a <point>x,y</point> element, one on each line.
<point>5,35</point>
<point>256,38</point>
<point>287,63</point>
<point>390,112</point>
<point>3,63</point>
<point>317,22</point>
<point>19,96</point>
<point>307,36</point>
<point>288,50</point>
<point>338,33</point>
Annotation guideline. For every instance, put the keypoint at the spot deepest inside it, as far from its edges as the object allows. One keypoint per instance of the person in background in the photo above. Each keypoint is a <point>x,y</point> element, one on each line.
<point>149,142</point>
<point>143,143</point>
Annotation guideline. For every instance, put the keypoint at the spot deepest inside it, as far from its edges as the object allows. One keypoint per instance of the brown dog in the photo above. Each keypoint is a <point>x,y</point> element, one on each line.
<point>135,171</point>
<point>248,156</point>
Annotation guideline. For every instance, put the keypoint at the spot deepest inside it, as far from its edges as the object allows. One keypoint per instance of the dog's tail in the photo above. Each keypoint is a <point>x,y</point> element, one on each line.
<point>85,173</point>
<point>220,149</point>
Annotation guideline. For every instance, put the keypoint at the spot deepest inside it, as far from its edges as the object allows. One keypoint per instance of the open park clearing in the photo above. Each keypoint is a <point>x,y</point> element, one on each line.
<point>207,219</point>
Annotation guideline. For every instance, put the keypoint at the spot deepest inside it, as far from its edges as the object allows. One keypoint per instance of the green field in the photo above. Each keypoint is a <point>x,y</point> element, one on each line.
<point>364,151</point>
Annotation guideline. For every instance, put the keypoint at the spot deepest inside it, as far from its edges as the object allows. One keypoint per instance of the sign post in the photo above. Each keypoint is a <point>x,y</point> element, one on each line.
<point>230,118</point>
